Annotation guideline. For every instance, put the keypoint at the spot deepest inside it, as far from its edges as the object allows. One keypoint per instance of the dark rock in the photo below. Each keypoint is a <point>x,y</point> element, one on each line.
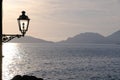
<point>17,77</point>
<point>25,77</point>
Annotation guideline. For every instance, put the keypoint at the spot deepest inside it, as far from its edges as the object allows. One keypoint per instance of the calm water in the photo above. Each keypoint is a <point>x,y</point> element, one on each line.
<point>62,61</point>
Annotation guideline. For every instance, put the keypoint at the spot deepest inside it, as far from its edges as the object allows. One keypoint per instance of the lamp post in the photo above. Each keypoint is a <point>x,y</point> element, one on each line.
<point>23,23</point>
<point>1,40</point>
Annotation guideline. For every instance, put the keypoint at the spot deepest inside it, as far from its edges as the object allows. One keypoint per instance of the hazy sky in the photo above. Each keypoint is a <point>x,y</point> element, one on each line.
<point>57,20</point>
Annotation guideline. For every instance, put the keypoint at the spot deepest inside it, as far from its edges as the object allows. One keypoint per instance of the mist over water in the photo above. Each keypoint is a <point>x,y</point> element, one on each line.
<point>62,61</point>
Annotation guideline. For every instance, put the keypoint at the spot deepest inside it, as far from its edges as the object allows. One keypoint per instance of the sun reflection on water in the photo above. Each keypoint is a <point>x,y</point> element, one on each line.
<point>10,51</point>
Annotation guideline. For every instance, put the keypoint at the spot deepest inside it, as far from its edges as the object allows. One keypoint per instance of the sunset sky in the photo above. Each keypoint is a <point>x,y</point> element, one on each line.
<point>56,20</point>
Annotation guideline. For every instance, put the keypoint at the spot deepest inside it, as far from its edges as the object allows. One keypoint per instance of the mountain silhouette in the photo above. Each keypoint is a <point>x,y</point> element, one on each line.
<point>115,37</point>
<point>29,39</point>
<point>87,37</point>
<point>90,37</point>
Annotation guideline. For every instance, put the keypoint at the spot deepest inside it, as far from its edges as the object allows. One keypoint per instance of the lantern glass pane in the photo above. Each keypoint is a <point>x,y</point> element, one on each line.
<point>23,25</point>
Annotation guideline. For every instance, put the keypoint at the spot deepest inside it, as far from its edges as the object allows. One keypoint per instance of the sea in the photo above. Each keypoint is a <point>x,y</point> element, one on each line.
<point>62,61</point>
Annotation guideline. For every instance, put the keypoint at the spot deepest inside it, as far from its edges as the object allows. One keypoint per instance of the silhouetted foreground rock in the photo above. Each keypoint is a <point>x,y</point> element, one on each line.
<point>25,77</point>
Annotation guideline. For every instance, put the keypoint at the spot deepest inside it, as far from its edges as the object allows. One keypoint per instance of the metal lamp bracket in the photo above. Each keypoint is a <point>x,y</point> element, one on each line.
<point>8,37</point>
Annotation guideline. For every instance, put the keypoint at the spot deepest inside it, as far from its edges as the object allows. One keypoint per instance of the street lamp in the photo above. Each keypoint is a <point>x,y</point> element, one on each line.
<point>23,23</point>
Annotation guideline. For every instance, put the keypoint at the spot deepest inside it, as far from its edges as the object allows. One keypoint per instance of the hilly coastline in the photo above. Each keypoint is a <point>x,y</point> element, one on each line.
<point>88,37</point>
<point>115,37</point>
<point>29,39</point>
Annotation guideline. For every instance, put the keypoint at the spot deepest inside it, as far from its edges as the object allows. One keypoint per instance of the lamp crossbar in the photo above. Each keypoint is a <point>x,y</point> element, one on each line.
<point>8,37</point>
